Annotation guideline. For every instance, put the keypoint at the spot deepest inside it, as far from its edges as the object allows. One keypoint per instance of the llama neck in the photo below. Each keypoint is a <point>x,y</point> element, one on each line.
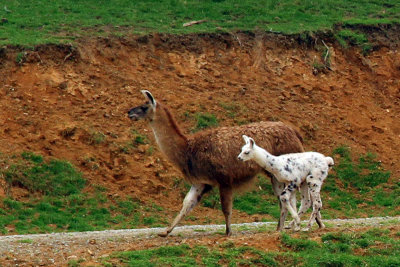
<point>265,159</point>
<point>170,139</point>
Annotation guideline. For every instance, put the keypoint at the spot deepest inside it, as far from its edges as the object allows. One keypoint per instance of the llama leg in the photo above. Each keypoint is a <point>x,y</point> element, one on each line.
<point>317,184</point>
<point>283,215</point>
<point>305,202</point>
<point>191,199</point>
<point>278,188</point>
<point>318,219</point>
<point>285,199</point>
<point>293,203</point>
<point>226,203</point>
<point>315,188</point>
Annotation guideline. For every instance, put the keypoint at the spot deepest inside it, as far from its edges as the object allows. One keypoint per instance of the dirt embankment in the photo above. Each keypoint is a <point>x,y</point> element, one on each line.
<point>71,102</point>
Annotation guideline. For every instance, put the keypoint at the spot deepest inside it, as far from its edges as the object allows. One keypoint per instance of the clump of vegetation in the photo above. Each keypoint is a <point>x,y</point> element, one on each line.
<point>296,244</point>
<point>205,120</point>
<point>325,58</point>
<point>348,37</point>
<point>20,58</point>
<point>184,255</point>
<point>231,108</point>
<point>364,175</point>
<point>96,138</point>
<point>138,138</point>
<point>52,178</point>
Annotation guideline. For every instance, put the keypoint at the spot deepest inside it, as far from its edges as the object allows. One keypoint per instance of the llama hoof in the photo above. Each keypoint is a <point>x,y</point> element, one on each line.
<point>163,234</point>
<point>280,228</point>
<point>307,229</point>
<point>295,228</point>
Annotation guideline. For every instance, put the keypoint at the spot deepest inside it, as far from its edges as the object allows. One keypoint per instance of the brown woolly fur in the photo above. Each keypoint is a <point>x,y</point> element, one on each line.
<point>209,158</point>
<point>213,153</point>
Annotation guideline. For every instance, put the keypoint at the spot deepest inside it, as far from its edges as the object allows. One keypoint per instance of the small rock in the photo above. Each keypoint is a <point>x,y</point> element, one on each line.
<point>286,94</point>
<point>63,85</point>
<point>72,258</point>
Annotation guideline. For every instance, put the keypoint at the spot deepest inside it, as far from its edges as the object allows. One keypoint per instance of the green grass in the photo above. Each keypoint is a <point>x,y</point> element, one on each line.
<point>366,248</point>
<point>57,201</point>
<point>184,255</point>
<point>348,37</point>
<point>359,187</point>
<point>76,212</point>
<point>205,120</point>
<point>32,22</point>
<point>138,138</point>
<point>53,178</point>
<point>96,138</point>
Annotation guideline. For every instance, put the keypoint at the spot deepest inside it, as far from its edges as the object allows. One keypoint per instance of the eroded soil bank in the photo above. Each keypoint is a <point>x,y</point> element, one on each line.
<point>71,102</point>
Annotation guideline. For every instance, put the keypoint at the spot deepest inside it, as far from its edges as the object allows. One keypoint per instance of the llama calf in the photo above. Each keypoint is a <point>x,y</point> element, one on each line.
<point>293,170</point>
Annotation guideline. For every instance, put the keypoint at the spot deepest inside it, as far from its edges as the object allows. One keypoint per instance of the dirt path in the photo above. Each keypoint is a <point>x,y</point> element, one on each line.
<point>57,249</point>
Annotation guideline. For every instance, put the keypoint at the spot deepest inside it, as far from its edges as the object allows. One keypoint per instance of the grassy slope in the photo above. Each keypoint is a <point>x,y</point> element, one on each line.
<point>58,203</point>
<point>31,22</point>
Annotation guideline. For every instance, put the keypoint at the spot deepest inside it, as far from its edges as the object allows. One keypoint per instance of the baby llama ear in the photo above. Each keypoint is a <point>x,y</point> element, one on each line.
<point>246,138</point>
<point>149,97</point>
<point>252,143</point>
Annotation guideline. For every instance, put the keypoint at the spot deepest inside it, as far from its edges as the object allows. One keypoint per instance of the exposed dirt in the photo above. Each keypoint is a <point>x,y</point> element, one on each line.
<point>56,98</point>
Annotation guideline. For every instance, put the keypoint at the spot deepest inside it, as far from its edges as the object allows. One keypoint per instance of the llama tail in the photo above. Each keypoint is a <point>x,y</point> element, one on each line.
<point>330,161</point>
<point>299,136</point>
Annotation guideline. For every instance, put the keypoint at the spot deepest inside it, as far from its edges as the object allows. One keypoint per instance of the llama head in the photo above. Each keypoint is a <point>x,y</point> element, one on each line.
<point>145,111</point>
<point>247,152</point>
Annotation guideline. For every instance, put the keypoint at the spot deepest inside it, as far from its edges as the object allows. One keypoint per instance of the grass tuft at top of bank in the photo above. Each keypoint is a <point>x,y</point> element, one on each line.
<point>32,22</point>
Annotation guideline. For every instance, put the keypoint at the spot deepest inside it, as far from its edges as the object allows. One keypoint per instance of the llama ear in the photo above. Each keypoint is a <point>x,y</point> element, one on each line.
<point>150,97</point>
<point>252,143</point>
<point>246,138</point>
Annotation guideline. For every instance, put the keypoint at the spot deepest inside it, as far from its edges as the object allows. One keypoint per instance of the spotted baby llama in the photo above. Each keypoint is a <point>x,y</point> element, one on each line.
<point>208,158</point>
<point>294,170</point>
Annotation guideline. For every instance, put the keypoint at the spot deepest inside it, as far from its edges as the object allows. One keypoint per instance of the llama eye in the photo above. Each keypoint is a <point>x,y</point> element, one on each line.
<point>247,152</point>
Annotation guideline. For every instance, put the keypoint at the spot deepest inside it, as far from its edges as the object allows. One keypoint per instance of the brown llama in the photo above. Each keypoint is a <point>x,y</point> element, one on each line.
<point>209,158</point>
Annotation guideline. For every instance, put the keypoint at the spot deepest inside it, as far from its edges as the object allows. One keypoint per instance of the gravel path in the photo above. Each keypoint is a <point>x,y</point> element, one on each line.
<point>57,249</point>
